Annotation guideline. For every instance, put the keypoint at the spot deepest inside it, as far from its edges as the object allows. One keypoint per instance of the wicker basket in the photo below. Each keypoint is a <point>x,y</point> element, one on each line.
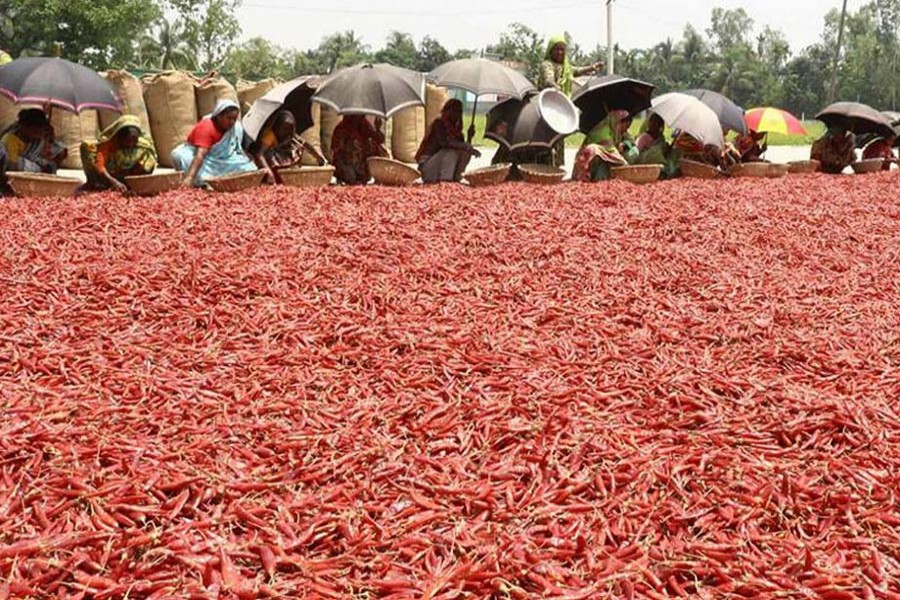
<point>637,173</point>
<point>307,177</point>
<point>872,165</point>
<point>803,166</point>
<point>690,168</point>
<point>150,185</point>
<point>236,183</point>
<point>40,185</point>
<point>486,176</point>
<point>776,170</point>
<point>543,174</point>
<point>386,171</point>
<point>753,169</point>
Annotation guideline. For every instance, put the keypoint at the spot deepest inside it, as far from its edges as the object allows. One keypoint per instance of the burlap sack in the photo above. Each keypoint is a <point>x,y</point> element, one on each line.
<point>408,132</point>
<point>131,94</point>
<point>330,120</point>
<point>72,129</point>
<point>170,101</point>
<point>435,98</point>
<point>249,92</point>
<point>313,136</point>
<point>210,90</point>
<point>9,112</point>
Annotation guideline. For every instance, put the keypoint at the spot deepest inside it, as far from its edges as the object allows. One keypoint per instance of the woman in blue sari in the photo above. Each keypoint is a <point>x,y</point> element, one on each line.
<point>213,148</point>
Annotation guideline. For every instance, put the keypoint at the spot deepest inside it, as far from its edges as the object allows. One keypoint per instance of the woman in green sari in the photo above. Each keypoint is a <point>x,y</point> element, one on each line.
<point>608,145</point>
<point>558,73</point>
<point>122,150</point>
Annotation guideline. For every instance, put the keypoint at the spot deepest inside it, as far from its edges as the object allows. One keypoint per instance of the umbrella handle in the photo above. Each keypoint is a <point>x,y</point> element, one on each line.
<point>472,125</point>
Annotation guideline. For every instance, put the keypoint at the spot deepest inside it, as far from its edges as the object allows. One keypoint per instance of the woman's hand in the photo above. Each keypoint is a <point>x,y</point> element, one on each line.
<point>187,182</point>
<point>120,187</point>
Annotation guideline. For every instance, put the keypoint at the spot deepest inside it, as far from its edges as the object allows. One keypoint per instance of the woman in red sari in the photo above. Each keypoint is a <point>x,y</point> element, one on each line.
<point>881,148</point>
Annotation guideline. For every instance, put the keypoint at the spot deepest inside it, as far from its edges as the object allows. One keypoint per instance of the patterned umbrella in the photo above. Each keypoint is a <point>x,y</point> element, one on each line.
<point>767,119</point>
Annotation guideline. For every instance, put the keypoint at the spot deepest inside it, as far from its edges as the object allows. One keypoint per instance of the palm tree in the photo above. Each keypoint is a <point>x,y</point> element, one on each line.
<point>167,47</point>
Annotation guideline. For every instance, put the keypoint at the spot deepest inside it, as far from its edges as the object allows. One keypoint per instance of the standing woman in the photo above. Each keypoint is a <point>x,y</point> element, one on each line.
<point>122,150</point>
<point>557,72</point>
<point>214,147</point>
<point>279,146</point>
<point>444,154</point>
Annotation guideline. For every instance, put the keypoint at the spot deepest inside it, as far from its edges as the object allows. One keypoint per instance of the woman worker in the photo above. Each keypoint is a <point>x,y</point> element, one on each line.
<point>607,145</point>
<point>122,150</point>
<point>214,147</point>
<point>279,146</point>
<point>444,154</point>
<point>557,72</point>
<point>836,149</point>
<point>354,141</point>
<point>31,145</point>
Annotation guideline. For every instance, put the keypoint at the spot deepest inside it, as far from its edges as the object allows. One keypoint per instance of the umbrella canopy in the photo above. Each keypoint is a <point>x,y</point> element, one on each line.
<point>57,82</point>
<point>731,116</point>
<point>599,95</point>
<point>294,95</point>
<point>481,76</point>
<point>859,118</point>
<point>767,119</point>
<point>691,116</point>
<point>519,124</point>
<point>379,90</point>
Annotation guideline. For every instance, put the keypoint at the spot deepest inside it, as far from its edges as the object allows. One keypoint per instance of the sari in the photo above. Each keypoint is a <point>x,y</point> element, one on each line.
<point>553,74</point>
<point>354,141</point>
<point>835,150</point>
<point>226,157</point>
<point>603,148</point>
<point>32,156</point>
<point>107,155</point>
<point>749,147</point>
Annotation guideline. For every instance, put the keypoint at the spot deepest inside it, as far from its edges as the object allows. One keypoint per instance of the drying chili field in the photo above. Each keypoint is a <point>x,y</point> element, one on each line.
<point>687,389</point>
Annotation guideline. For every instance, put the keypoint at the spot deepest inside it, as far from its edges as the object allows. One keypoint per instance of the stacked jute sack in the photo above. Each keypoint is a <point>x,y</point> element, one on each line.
<point>170,103</point>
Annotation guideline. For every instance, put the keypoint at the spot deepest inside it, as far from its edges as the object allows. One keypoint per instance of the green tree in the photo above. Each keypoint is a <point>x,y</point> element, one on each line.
<point>166,47</point>
<point>211,28</point>
<point>89,31</point>
<point>522,44</point>
<point>258,59</point>
<point>400,51</point>
<point>431,54</point>
<point>340,50</point>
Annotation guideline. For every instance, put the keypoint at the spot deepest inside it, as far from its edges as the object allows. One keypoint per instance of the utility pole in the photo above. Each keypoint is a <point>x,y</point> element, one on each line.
<point>610,46</point>
<point>837,54</point>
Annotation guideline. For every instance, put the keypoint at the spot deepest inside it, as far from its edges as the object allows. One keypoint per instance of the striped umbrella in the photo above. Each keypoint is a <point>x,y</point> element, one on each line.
<point>774,120</point>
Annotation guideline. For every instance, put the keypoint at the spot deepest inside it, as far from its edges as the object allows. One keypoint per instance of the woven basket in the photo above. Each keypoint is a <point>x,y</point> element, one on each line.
<point>307,177</point>
<point>872,165</point>
<point>386,171</point>
<point>40,185</point>
<point>637,173</point>
<point>690,168</point>
<point>150,185</point>
<point>753,169</point>
<point>776,170</point>
<point>543,174</point>
<point>236,183</point>
<point>804,166</point>
<point>486,176</point>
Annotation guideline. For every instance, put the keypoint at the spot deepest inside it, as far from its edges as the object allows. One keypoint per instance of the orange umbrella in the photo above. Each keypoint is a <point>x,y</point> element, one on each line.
<point>773,120</point>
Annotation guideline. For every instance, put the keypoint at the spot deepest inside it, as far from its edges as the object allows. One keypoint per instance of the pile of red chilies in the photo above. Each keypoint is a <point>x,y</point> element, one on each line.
<point>688,389</point>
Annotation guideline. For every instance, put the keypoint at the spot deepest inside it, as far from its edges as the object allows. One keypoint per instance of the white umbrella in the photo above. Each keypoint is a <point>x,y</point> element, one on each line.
<point>691,116</point>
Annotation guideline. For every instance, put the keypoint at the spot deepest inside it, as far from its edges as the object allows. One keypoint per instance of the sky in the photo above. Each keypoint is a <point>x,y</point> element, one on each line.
<point>472,24</point>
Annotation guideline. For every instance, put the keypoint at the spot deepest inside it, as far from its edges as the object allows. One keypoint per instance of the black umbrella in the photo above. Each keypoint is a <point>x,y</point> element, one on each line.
<point>294,96</point>
<point>379,90</point>
<point>858,118</point>
<point>730,115</point>
<point>519,124</point>
<point>599,95</point>
<point>57,82</point>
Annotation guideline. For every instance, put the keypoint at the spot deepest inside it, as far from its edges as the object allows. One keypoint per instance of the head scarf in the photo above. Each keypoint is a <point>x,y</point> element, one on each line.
<point>606,132</point>
<point>566,79</point>
<point>33,117</point>
<point>121,123</point>
<point>222,106</point>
